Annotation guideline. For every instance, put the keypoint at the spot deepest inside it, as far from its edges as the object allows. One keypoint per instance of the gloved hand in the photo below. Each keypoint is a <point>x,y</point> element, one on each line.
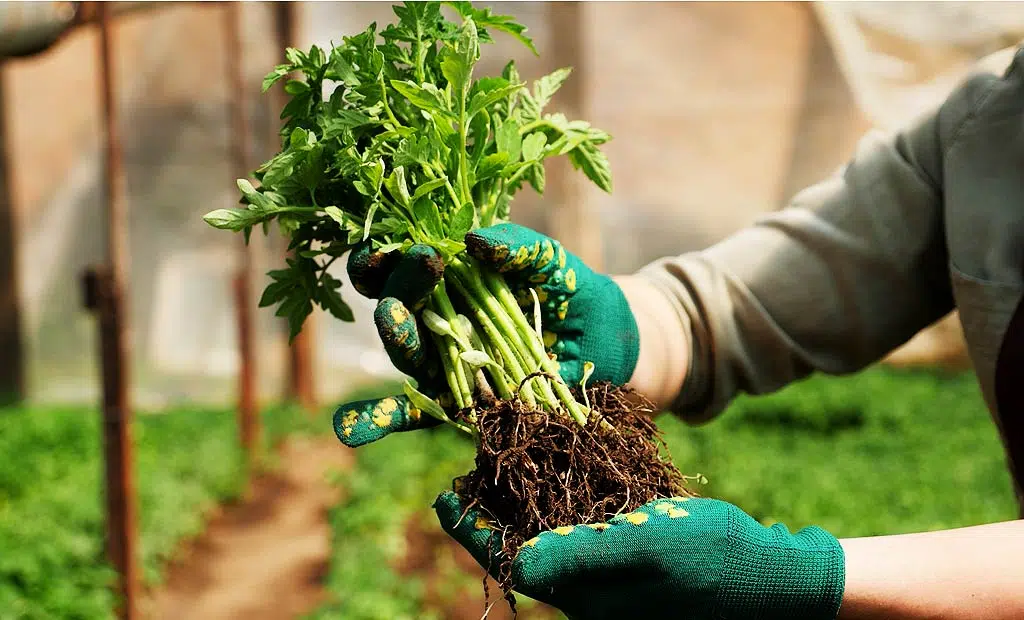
<point>585,316</point>
<point>699,559</point>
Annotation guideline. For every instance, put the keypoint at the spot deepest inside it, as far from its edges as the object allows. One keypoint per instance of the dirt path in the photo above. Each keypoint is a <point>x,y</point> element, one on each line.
<point>264,558</point>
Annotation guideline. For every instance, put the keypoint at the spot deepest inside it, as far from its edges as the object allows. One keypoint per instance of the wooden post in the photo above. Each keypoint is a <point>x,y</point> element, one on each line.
<point>301,354</point>
<point>248,414</point>
<point>572,219</point>
<point>106,294</point>
<point>12,354</point>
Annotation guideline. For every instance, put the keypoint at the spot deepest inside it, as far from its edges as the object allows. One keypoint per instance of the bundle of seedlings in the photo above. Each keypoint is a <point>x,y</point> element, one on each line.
<point>389,139</point>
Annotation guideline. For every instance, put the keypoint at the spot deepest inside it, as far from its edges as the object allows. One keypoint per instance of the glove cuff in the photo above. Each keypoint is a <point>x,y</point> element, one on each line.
<point>775,575</point>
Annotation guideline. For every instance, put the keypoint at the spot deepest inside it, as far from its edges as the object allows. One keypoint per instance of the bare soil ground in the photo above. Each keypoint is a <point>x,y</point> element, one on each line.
<point>263,558</point>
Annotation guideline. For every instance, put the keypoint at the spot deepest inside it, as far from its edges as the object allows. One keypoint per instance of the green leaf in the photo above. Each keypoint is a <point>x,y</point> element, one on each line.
<point>426,215</point>
<point>426,97</point>
<point>331,300</point>
<point>335,214</point>
<point>509,141</point>
<point>546,87</point>
<point>369,219</point>
<point>593,162</point>
<point>485,99</point>
<point>424,403</point>
<point>491,166</point>
<point>533,146</point>
<point>436,324</point>
<point>274,76</point>
<point>503,23</point>
<point>397,187</point>
<point>254,197</point>
<point>427,187</point>
<point>449,247</point>
<point>458,60</point>
<point>462,222</point>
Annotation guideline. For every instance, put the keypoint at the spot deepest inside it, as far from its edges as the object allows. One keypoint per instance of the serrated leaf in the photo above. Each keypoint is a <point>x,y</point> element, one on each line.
<point>458,60</point>
<point>533,146</point>
<point>546,87</point>
<point>368,222</point>
<point>508,140</point>
<point>483,100</point>
<point>426,97</point>
<point>594,164</point>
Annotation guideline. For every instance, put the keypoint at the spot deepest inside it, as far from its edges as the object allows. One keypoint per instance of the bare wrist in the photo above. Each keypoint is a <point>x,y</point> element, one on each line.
<point>664,346</point>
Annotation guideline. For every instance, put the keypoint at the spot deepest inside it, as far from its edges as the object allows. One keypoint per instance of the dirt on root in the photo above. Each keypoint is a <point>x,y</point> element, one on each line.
<point>266,556</point>
<point>536,471</point>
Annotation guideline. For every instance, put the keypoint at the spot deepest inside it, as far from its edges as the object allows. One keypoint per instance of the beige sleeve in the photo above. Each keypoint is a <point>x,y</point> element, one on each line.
<point>852,269</point>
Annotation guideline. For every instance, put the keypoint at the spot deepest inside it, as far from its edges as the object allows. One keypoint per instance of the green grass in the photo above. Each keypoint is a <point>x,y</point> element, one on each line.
<point>52,562</point>
<point>880,452</point>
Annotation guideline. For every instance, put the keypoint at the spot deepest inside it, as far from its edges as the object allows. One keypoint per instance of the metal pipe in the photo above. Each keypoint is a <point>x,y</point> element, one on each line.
<point>12,352</point>
<point>247,406</point>
<point>301,387</point>
<point>115,348</point>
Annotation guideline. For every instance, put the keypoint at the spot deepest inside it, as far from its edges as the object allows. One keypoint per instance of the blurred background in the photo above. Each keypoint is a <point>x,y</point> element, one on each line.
<point>720,112</point>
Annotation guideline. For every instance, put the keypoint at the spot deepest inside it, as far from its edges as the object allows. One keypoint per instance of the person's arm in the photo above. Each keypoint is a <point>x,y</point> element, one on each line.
<point>852,269</point>
<point>974,572</point>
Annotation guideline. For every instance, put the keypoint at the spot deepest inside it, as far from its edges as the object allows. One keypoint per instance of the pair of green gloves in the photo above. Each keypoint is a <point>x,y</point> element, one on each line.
<point>693,558</point>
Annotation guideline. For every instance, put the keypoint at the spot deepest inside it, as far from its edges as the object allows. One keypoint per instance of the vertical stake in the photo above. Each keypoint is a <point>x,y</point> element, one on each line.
<point>248,420</point>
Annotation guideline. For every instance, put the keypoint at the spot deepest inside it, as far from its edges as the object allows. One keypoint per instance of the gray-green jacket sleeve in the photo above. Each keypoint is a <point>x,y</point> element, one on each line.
<point>852,269</point>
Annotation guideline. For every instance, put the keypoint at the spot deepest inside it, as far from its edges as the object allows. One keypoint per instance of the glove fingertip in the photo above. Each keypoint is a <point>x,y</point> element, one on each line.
<point>369,270</point>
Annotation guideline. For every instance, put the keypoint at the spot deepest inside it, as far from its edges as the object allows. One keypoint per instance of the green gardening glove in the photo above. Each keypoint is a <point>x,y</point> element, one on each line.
<point>401,283</point>
<point>584,314</point>
<point>699,559</point>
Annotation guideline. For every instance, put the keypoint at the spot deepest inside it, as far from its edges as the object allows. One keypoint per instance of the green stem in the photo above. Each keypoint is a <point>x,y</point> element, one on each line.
<point>450,350</point>
<point>384,99</point>
<point>496,337</point>
<point>509,330</point>
<point>499,288</point>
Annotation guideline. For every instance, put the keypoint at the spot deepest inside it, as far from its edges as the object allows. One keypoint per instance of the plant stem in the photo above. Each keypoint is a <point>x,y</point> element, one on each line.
<point>496,337</point>
<point>509,331</point>
<point>499,288</point>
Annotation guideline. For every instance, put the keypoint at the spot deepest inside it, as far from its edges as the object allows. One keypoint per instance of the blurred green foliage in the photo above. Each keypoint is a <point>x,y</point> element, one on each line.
<point>52,562</point>
<point>881,452</point>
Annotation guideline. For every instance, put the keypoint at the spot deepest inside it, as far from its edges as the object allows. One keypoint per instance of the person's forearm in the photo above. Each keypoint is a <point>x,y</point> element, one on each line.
<point>664,344</point>
<point>975,572</point>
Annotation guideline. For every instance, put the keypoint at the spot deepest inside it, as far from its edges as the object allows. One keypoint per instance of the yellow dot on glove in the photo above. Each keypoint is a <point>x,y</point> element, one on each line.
<point>570,279</point>
<point>637,518</point>
<point>663,507</point>
<point>600,527</point>
<point>381,419</point>
<point>347,432</point>
<point>539,278</point>
<point>500,252</point>
<point>677,513</point>
<point>563,309</point>
<point>350,418</point>
<point>522,255</point>
<point>532,542</point>
<point>399,314</point>
<point>565,530</point>
<point>414,414</point>
<point>388,405</point>
<point>549,339</point>
<point>546,255</point>
<point>561,257</point>
<point>535,253</point>
<point>542,295</point>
